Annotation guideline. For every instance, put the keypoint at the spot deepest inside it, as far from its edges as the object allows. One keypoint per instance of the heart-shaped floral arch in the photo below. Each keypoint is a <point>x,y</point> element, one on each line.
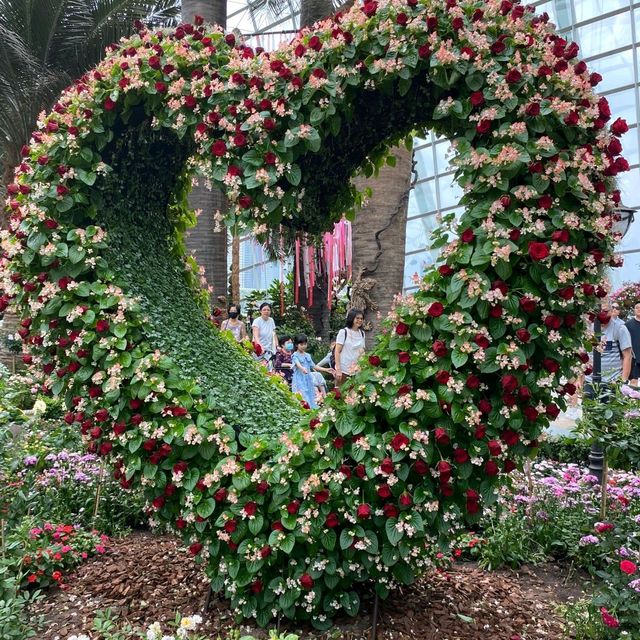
<point>469,368</point>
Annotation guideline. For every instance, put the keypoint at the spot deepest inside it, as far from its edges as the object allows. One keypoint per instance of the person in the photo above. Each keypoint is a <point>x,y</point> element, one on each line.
<point>616,353</point>
<point>303,366</point>
<point>234,324</point>
<point>264,331</point>
<point>349,345</point>
<point>283,365</point>
<point>633,326</point>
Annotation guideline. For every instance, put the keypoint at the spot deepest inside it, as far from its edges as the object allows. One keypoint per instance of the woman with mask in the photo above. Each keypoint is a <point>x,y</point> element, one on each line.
<point>234,324</point>
<point>283,364</point>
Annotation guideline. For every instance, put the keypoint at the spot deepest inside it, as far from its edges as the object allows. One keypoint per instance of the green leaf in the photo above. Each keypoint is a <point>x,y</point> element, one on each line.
<point>328,539</point>
<point>459,359</point>
<point>206,507</point>
<point>256,524</point>
<point>294,175</point>
<point>393,534</point>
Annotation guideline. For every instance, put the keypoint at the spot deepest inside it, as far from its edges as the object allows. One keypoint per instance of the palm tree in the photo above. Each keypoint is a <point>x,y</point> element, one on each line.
<point>208,244</point>
<point>45,44</point>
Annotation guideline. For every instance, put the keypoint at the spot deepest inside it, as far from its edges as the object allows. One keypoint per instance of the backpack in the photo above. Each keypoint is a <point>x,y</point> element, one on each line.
<point>332,359</point>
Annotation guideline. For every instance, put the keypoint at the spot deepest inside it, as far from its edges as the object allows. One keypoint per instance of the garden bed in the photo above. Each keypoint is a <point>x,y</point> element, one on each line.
<point>143,578</point>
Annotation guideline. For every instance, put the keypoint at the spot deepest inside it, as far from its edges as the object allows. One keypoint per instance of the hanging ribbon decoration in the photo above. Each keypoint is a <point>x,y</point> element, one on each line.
<point>332,259</point>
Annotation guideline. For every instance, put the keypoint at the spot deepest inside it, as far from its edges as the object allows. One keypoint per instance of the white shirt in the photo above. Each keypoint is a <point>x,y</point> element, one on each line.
<point>266,331</point>
<point>352,342</point>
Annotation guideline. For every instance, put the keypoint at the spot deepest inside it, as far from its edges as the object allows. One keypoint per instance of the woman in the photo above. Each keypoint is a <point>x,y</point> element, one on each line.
<point>264,330</point>
<point>349,345</point>
<point>234,324</point>
<point>283,366</point>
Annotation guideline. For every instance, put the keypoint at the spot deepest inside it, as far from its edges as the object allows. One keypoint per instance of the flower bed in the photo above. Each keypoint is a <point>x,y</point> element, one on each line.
<point>468,372</point>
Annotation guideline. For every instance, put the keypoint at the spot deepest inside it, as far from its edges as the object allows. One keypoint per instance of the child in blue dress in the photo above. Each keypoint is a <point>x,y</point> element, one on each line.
<point>303,365</point>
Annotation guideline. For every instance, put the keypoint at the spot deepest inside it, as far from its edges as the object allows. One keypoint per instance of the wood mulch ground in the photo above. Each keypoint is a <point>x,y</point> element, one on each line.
<point>143,578</point>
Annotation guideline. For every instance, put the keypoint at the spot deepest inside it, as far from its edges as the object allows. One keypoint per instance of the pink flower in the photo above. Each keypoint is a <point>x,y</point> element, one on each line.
<point>608,619</point>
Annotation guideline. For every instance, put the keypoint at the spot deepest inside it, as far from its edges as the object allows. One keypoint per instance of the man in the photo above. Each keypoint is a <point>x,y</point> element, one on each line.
<point>616,352</point>
<point>633,325</point>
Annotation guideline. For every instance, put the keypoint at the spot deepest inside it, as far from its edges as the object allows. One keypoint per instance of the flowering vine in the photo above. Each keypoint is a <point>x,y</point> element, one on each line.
<point>469,369</point>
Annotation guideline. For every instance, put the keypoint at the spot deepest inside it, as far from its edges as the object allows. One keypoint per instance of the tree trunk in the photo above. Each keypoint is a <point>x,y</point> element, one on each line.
<point>235,270</point>
<point>313,10</point>
<point>379,232</point>
<point>208,245</point>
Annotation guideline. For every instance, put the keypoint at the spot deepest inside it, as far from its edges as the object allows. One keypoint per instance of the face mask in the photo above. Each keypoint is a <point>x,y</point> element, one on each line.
<point>289,346</point>
<point>233,314</point>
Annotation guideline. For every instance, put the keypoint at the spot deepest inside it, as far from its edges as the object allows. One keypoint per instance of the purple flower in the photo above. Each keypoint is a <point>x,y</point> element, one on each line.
<point>29,461</point>
<point>586,540</point>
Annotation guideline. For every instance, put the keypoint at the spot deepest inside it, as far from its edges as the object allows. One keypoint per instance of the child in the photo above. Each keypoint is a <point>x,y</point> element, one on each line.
<point>303,365</point>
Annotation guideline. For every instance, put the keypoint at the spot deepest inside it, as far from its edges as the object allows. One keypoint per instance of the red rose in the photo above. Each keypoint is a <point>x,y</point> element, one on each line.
<point>404,357</point>
<point>509,437</point>
<point>399,441</point>
<point>523,335</point>
<point>445,270</point>
<point>306,581</point>
<point>442,377</point>
<point>619,127</point>
<point>439,348</point>
<point>481,340</point>
<point>467,236</point>
<point>332,521</point>
<point>220,495</point>
<point>374,361</point>
<point>524,393</point>
<point>566,293</point>
<point>441,436</point>
<point>384,491</point>
<point>484,406</point>
<point>473,382</point>
<point>363,511</point>
<point>230,526</point>
<point>390,511</point>
<point>533,109</point>
<point>404,389</point>
<point>402,329</point>
<point>553,322</point>
<point>369,8</point>
<point>387,466</point>
<point>292,507</point>
<point>436,309</point>
<point>360,471</point>
<point>250,508</point>
<point>195,548</point>
<point>509,383</point>
<point>402,19</point>
<point>491,468</point>
<point>480,432</point>
<point>509,466</point>
<point>495,312</point>
<point>528,304</point>
<point>219,148</point>
<point>421,467</point>
<point>444,468</point>
<point>530,413</point>
<point>552,411</point>
<point>321,496</point>
<point>460,456</point>
<point>405,500</point>
<point>628,567</point>
<point>245,201</point>
<point>538,250</point>
<point>513,76</point>
<point>338,442</point>
<point>550,365</point>
<point>477,98</point>
<point>483,126</point>
<point>495,448</point>
<point>424,51</point>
